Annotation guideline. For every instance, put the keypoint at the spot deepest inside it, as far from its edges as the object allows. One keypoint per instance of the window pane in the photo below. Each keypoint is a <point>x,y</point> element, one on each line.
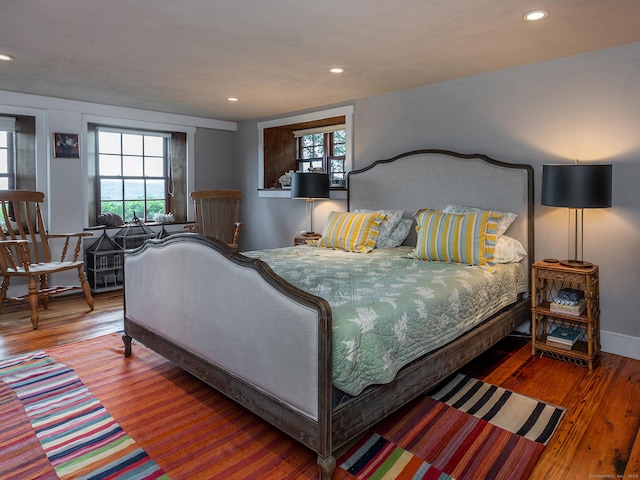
<point>111,207</point>
<point>337,165</point>
<point>134,189</point>
<point>154,146</point>
<point>340,149</point>
<point>318,152</point>
<point>307,140</point>
<point>132,167</point>
<point>3,161</point>
<point>133,207</point>
<point>153,207</point>
<point>340,136</point>
<point>131,144</point>
<point>3,140</point>
<point>110,189</point>
<point>4,184</point>
<point>307,153</point>
<point>154,166</point>
<point>109,142</point>
<point>155,190</point>
<point>110,165</point>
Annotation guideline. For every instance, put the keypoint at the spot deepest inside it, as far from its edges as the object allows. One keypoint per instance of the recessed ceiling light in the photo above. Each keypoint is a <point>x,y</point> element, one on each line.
<point>337,70</point>
<point>4,56</point>
<point>535,15</point>
<point>232,99</point>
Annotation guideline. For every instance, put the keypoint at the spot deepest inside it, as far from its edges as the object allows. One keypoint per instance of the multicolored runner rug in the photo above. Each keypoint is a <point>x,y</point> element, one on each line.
<point>79,437</point>
<point>177,427</point>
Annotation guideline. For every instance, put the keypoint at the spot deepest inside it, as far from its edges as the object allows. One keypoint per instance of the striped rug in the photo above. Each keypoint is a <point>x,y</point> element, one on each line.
<point>188,431</point>
<point>466,430</point>
<point>77,434</point>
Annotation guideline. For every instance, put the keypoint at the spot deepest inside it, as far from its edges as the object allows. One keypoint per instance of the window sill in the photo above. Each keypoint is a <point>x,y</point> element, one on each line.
<point>336,193</point>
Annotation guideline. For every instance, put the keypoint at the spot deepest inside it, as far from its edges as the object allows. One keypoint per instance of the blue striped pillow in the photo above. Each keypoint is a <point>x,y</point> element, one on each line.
<point>353,232</point>
<point>444,237</point>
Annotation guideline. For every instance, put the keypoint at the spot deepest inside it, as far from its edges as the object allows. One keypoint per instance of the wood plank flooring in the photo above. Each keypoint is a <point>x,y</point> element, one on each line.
<point>598,438</point>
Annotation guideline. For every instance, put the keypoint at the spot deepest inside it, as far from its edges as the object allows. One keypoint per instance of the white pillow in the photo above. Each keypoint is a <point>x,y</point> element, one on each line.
<point>505,221</point>
<point>390,222</point>
<point>508,250</point>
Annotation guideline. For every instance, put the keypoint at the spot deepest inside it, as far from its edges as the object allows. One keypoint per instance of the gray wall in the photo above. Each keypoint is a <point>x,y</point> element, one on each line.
<point>584,107</point>
<point>213,166</point>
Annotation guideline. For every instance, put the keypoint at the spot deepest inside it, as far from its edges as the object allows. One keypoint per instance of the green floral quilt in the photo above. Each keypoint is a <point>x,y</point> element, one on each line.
<point>388,309</point>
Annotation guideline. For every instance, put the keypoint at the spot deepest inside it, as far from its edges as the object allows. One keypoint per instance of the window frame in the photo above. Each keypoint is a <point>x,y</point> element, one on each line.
<point>328,134</point>
<point>10,174</point>
<point>166,170</point>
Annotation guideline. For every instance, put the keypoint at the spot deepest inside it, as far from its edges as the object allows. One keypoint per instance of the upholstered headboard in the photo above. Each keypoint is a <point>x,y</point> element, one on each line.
<point>437,178</point>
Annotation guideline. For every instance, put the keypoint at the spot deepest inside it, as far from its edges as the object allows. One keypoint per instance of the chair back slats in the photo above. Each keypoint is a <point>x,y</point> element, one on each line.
<point>217,213</point>
<point>22,219</point>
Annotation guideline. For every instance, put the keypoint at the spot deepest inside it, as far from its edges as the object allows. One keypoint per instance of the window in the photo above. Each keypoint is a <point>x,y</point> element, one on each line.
<point>317,139</point>
<point>7,153</point>
<point>132,172</point>
<point>323,148</point>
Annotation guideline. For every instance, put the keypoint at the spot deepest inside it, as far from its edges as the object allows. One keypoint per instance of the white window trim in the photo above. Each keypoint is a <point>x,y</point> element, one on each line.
<point>123,123</point>
<point>7,124</point>
<point>311,131</point>
<point>305,117</point>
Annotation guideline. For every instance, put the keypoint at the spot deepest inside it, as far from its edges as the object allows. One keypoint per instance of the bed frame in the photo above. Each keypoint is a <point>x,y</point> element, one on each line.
<point>239,327</point>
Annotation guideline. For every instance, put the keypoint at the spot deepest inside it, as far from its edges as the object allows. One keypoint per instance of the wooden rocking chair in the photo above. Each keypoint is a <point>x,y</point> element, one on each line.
<point>25,252</point>
<point>217,214</point>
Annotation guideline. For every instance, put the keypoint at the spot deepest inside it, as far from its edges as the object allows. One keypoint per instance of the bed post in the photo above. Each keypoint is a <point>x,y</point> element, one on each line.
<point>326,467</point>
<point>126,339</point>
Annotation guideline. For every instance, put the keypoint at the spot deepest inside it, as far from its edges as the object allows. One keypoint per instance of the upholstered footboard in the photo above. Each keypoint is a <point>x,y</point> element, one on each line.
<point>233,323</point>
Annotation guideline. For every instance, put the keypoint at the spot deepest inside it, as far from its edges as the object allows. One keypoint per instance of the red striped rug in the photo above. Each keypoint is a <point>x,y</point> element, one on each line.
<point>192,432</point>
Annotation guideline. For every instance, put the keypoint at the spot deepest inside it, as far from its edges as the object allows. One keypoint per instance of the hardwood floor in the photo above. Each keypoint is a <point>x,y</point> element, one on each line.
<point>599,436</point>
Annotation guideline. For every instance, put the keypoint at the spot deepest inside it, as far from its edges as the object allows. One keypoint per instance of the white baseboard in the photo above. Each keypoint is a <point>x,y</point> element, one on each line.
<point>619,344</point>
<point>610,342</point>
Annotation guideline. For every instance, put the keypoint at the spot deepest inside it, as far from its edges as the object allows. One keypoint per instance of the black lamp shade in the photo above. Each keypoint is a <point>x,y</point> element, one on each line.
<point>576,185</point>
<point>310,185</point>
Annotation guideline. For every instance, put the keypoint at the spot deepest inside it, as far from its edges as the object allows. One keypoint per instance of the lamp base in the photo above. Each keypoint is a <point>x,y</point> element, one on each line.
<point>576,263</point>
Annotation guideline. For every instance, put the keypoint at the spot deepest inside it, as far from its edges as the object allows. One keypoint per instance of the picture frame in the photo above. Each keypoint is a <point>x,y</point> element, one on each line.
<point>66,145</point>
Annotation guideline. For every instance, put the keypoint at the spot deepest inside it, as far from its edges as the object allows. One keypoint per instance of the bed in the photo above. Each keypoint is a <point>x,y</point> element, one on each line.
<point>262,329</point>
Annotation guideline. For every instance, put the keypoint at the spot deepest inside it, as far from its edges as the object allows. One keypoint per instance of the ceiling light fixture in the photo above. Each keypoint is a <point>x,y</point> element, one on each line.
<point>337,70</point>
<point>535,15</point>
<point>232,99</point>
<point>5,56</point>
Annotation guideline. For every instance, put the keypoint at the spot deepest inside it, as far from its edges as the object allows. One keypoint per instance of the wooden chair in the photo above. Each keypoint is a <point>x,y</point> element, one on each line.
<point>217,214</point>
<point>25,251</point>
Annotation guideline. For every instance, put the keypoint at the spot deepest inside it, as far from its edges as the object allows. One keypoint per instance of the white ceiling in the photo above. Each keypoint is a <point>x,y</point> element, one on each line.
<point>188,56</point>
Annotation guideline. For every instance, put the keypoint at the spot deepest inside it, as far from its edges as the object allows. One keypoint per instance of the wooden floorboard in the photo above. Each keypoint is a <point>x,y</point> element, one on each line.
<point>598,438</point>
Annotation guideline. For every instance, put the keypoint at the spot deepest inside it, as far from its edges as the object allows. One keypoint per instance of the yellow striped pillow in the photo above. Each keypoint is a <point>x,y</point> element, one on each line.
<point>353,232</point>
<point>444,237</point>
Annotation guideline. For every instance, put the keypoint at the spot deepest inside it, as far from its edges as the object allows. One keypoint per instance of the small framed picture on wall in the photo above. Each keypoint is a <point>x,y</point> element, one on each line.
<point>66,145</point>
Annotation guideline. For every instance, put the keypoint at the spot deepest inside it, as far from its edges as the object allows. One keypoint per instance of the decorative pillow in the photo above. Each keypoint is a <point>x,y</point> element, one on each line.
<point>399,234</point>
<point>350,231</point>
<point>508,250</point>
<point>506,218</point>
<point>445,237</point>
<point>392,218</point>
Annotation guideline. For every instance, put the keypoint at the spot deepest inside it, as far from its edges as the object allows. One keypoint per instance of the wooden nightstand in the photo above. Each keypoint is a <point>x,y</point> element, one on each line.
<point>547,280</point>
<point>301,239</point>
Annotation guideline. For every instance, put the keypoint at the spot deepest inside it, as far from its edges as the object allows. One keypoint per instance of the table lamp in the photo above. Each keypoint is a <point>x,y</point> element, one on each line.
<point>310,186</point>
<point>576,186</point>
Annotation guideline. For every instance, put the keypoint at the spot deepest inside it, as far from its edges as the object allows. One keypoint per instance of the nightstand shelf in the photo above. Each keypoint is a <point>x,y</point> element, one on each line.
<point>547,280</point>
<point>302,239</point>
